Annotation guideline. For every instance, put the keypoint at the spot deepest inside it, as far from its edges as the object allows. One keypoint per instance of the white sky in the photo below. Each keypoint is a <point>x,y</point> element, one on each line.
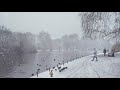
<point>56,24</point>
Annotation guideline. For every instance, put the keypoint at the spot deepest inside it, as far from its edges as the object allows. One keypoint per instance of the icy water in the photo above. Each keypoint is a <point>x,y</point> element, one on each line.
<point>24,66</point>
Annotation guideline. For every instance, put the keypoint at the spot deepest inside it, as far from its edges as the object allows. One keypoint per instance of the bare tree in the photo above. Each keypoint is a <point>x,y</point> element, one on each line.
<point>70,42</point>
<point>57,44</point>
<point>7,39</point>
<point>101,24</point>
<point>45,41</point>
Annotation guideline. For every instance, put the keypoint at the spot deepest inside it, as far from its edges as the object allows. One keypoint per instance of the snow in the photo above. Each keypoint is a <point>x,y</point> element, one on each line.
<point>105,67</point>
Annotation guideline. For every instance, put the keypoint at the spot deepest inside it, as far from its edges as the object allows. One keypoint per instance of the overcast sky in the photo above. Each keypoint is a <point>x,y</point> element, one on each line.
<point>56,24</point>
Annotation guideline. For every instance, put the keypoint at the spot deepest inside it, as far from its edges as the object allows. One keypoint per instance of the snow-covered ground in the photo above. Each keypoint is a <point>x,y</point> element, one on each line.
<point>105,67</point>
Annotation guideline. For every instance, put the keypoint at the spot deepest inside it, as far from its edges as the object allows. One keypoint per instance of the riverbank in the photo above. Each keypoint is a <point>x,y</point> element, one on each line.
<point>24,65</point>
<point>105,67</point>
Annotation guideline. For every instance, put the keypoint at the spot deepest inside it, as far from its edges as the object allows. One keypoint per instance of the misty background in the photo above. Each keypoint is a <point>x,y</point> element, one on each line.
<point>42,40</point>
<point>56,24</point>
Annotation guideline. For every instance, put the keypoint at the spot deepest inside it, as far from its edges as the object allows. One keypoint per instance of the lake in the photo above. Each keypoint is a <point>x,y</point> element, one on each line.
<point>26,65</point>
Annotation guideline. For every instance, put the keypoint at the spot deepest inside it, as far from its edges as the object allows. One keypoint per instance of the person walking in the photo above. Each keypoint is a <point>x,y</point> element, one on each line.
<point>104,51</point>
<point>51,73</point>
<point>38,72</point>
<point>95,55</point>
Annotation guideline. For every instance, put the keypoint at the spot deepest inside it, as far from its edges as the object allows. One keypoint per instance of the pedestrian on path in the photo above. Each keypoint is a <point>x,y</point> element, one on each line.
<point>95,55</point>
<point>104,51</point>
<point>51,73</point>
<point>38,72</point>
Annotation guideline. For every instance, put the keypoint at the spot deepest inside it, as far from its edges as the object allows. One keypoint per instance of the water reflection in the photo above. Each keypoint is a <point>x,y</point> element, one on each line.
<point>26,65</point>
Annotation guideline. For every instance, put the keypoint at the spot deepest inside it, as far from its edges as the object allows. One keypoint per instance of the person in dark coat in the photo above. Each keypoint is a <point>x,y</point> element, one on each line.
<point>38,72</point>
<point>51,73</point>
<point>104,51</point>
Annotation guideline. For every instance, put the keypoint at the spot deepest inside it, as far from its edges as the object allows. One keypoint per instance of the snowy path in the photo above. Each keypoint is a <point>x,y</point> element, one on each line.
<point>106,67</point>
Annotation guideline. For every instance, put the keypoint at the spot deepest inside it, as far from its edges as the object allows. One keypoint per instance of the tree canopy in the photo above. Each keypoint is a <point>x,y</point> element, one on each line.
<point>101,25</point>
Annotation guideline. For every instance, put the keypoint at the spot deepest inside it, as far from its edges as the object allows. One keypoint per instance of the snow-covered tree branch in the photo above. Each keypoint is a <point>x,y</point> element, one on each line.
<point>101,24</point>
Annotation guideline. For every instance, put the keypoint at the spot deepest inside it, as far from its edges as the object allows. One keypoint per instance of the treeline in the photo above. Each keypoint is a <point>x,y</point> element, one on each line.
<point>28,42</point>
<point>70,42</point>
<point>67,42</point>
<point>16,41</point>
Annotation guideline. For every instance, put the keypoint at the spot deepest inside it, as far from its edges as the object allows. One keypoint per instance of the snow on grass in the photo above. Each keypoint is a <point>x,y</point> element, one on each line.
<point>105,67</point>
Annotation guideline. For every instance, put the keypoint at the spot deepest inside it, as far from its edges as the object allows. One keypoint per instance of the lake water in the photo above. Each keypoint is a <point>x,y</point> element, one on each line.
<point>26,65</point>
